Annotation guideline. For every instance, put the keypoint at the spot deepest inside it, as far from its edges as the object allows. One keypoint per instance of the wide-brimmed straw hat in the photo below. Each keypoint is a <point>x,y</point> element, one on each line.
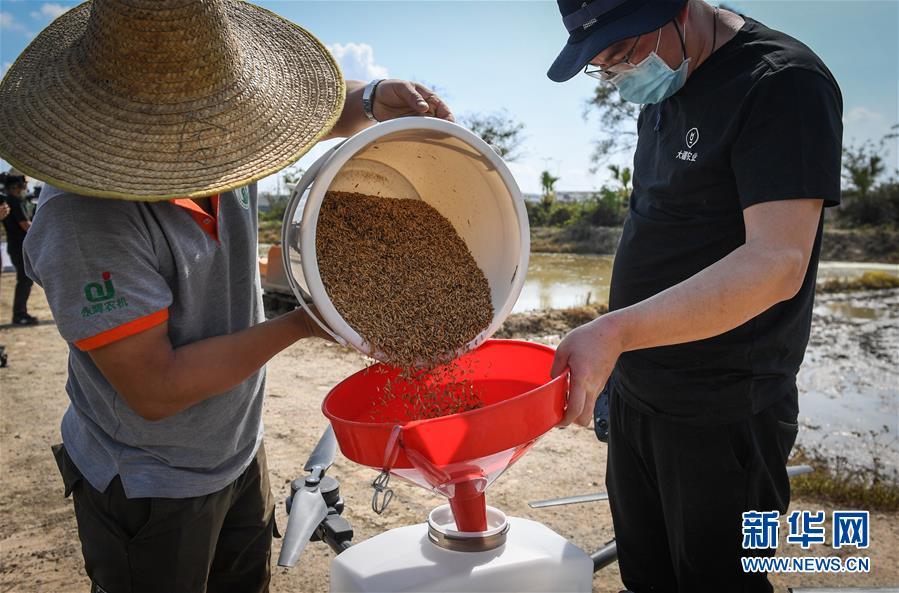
<point>161,99</point>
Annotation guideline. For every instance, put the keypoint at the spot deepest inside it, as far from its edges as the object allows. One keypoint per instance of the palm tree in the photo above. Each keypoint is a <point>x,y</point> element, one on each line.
<point>547,183</point>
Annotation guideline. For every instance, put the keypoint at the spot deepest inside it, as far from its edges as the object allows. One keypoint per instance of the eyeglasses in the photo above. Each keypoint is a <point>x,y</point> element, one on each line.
<point>616,68</point>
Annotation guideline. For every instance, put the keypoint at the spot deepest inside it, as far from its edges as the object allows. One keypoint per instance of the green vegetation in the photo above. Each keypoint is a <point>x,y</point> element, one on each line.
<point>617,121</point>
<point>498,129</point>
<point>605,208</point>
<point>562,321</point>
<point>269,231</point>
<point>864,228</point>
<point>274,204</point>
<point>867,281</point>
<point>870,191</point>
<point>836,480</point>
<point>868,198</point>
<point>578,238</point>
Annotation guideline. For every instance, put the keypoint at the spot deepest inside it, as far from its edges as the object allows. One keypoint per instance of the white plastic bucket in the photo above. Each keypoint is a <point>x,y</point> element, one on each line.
<point>442,163</point>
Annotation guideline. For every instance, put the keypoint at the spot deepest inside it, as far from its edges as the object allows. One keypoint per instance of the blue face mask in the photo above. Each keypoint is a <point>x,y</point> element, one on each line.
<point>652,80</point>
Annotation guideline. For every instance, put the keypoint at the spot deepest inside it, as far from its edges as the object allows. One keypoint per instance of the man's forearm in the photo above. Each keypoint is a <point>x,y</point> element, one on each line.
<point>721,297</point>
<point>352,119</point>
<point>157,381</point>
<point>228,360</point>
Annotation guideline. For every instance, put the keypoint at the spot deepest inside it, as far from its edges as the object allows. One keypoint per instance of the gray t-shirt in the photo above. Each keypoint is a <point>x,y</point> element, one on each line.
<point>113,268</point>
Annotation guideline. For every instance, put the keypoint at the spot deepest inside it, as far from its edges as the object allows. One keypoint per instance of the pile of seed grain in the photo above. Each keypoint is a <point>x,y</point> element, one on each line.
<point>420,394</point>
<point>401,276</point>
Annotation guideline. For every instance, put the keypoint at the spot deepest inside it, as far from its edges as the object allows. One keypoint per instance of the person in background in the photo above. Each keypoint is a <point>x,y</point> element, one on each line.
<point>738,153</point>
<point>29,202</point>
<point>4,212</point>
<point>14,188</point>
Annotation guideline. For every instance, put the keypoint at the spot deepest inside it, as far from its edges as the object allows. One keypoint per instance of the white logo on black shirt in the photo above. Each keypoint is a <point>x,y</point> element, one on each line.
<point>692,138</point>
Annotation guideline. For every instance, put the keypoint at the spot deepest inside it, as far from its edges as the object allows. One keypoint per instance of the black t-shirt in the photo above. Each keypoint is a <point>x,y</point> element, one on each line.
<point>14,233</point>
<point>758,121</point>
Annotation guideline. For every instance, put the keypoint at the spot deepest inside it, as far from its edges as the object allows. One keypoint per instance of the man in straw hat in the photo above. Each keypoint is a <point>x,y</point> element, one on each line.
<point>738,151</point>
<point>150,120</point>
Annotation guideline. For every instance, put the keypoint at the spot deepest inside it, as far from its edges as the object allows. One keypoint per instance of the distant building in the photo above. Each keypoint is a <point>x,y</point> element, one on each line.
<point>563,196</point>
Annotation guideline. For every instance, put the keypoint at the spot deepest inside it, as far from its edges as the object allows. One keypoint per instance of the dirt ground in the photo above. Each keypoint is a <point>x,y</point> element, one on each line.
<point>39,548</point>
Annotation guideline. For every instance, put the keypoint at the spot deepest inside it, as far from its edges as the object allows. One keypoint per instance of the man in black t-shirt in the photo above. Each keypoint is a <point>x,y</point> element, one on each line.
<point>4,212</point>
<point>13,187</point>
<point>738,152</point>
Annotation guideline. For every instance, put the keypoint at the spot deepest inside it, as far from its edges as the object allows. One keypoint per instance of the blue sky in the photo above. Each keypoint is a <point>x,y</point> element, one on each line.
<point>490,55</point>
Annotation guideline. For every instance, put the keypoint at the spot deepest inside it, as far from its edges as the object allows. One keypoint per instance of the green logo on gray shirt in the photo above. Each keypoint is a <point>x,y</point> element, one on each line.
<point>96,293</point>
<point>245,198</point>
<point>102,297</point>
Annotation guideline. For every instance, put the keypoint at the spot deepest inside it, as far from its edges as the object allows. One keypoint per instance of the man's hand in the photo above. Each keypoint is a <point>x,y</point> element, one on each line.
<point>590,352</point>
<point>399,98</point>
<point>308,327</point>
<point>393,98</point>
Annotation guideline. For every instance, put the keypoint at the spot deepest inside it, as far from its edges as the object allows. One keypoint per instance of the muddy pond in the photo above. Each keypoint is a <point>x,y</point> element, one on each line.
<point>849,381</point>
<point>558,281</point>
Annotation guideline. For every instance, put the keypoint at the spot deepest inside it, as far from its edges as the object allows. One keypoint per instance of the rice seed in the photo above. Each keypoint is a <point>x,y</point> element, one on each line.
<point>401,276</point>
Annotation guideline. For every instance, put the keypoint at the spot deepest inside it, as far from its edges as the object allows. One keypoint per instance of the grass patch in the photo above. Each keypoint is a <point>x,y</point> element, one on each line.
<point>837,481</point>
<point>875,280</point>
<point>575,238</point>
<point>269,231</point>
<point>548,322</point>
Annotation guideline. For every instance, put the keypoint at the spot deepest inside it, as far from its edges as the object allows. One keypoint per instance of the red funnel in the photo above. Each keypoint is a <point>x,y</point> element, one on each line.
<point>457,455</point>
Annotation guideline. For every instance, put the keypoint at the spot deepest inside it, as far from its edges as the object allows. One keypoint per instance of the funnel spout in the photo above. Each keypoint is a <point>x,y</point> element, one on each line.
<point>469,507</point>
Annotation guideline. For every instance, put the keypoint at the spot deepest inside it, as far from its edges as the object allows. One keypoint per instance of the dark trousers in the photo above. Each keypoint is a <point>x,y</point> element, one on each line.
<point>677,494</point>
<point>218,543</point>
<point>23,282</point>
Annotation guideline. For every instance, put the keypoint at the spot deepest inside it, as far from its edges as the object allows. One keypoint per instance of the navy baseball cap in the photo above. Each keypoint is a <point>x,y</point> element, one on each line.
<point>594,25</point>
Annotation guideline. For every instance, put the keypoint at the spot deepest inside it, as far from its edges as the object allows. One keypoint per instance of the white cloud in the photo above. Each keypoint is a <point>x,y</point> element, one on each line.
<point>859,115</point>
<point>357,61</point>
<point>6,66</point>
<point>49,9</point>
<point>53,10</point>
<point>8,23</point>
